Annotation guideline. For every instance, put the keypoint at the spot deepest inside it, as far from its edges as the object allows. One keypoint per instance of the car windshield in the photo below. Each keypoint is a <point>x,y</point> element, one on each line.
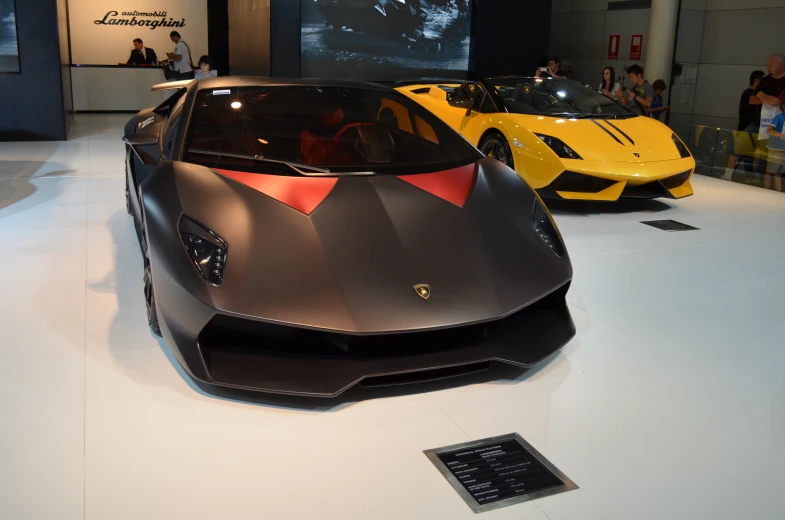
<point>318,130</point>
<point>555,97</point>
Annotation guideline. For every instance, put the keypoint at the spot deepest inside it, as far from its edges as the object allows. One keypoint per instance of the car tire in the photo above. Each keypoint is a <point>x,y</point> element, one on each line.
<point>149,296</point>
<point>496,146</point>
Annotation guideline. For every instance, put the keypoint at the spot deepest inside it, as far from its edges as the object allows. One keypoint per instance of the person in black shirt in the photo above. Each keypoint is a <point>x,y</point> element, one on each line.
<point>141,55</point>
<point>748,115</point>
<point>552,71</point>
<point>771,89</point>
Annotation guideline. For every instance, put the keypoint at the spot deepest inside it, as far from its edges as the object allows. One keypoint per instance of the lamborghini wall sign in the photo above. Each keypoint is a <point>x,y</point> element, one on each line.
<point>129,18</point>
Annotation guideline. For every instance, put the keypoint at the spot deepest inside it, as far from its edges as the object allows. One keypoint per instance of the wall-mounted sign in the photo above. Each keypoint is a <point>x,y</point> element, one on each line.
<point>151,20</point>
<point>613,46</point>
<point>636,47</point>
<point>103,31</point>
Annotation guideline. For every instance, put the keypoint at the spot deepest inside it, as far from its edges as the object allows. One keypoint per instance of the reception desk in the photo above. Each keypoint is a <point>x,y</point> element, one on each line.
<point>116,88</point>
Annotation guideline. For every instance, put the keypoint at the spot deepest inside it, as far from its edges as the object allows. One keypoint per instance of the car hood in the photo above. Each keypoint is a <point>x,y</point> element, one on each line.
<point>351,264</point>
<point>616,140</point>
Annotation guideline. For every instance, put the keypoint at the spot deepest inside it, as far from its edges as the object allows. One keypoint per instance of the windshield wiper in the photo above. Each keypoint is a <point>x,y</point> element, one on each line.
<point>302,169</point>
<point>603,116</point>
<point>568,115</point>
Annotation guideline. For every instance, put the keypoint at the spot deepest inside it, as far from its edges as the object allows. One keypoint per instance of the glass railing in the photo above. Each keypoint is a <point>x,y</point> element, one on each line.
<point>729,154</point>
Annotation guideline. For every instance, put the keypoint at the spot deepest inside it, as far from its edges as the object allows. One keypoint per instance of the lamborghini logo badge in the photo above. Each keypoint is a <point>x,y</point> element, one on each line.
<point>471,87</point>
<point>423,290</point>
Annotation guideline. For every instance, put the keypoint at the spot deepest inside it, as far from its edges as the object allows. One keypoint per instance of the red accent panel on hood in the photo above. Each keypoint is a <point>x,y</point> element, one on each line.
<point>454,185</point>
<point>301,193</point>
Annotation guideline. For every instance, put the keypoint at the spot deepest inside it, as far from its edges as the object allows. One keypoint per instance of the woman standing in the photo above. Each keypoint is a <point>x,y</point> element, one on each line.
<point>608,86</point>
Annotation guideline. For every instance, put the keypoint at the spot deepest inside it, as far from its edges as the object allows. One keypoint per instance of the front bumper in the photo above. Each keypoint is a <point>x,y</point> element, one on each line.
<point>245,353</point>
<point>609,181</point>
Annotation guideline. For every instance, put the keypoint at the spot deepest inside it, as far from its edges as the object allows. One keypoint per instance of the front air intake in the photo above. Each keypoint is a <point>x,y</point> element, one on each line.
<point>422,376</point>
<point>579,183</point>
<point>676,180</point>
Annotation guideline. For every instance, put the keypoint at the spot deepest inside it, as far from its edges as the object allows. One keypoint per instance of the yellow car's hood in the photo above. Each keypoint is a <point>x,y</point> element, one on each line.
<point>616,140</point>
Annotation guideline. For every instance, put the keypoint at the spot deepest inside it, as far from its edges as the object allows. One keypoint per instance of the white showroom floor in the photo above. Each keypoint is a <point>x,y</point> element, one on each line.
<point>668,404</point>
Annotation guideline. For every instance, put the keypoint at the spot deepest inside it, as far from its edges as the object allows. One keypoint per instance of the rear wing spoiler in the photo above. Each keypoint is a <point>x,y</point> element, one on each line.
<point>171,85</point>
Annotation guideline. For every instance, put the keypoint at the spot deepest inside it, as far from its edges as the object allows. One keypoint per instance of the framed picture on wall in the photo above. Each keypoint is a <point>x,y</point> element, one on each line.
<point>9,42</point>
<point>385,39</point>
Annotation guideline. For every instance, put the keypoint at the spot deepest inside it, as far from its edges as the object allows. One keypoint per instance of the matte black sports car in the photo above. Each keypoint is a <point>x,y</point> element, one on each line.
<point>304,237</point>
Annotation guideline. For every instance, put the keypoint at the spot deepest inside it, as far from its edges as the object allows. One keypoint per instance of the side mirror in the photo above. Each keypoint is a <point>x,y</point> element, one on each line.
<point>469,96</point>
<point>463,102</point>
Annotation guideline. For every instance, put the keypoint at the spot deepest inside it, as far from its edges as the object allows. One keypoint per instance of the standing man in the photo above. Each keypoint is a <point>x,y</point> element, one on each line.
<point>141,55</point>
<point>181,57</point>
<point>640,97</point>
<point>768,95</point>
<point>771,88</point>
<point>749,121</point>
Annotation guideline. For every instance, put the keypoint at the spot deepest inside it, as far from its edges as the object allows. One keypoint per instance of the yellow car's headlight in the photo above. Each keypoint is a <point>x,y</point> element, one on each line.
<point>544,226</point>
<point>683,151</point>
<point>559,147</point>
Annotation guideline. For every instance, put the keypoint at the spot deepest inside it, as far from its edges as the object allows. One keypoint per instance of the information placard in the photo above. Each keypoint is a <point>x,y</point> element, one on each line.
<point>498,472</point>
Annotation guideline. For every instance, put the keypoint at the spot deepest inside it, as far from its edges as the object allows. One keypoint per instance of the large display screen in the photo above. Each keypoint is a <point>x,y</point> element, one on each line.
<point>382,40</point>
<point>9,45</point>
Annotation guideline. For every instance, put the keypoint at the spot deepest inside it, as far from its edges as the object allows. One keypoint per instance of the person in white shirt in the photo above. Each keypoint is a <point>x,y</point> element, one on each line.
<point>181,57</point>
<point>608,86</point>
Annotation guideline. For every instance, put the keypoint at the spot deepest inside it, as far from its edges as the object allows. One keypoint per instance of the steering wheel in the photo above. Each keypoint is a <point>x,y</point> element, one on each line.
<point>358,145</point>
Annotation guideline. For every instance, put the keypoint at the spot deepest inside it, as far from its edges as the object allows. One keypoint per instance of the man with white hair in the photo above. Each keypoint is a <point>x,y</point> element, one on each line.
<point>770,93</point>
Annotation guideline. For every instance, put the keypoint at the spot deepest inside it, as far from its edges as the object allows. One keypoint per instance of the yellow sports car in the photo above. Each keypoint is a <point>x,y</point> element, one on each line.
<point>566,140</point>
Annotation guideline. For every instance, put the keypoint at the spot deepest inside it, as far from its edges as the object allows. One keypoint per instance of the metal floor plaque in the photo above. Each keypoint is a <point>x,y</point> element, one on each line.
<point>498,472</point>
<point>669,225</point>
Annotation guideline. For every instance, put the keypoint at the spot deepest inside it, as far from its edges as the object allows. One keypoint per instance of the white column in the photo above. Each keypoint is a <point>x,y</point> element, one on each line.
<point>662,33</point>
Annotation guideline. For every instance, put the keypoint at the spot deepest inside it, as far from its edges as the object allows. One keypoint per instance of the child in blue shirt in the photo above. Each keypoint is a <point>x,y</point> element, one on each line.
<point>657,109</point>
<point>775,165</point>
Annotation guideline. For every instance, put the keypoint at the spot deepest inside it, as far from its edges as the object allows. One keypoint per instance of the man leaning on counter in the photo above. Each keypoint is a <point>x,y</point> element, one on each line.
<point>142,55</point>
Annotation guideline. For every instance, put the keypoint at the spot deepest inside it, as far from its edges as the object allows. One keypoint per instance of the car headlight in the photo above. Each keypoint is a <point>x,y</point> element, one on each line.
<point>147,122</point>
<point>544,226</point>
<point>206,250</point>
<point>683,151</point>
<point>558,146</point>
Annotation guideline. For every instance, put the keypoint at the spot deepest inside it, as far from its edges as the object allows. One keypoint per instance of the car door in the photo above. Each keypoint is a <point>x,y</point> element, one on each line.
<point>147,157</point>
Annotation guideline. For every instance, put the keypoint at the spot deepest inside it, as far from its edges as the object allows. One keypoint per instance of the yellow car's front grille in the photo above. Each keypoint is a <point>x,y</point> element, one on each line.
<point>579,183</point>
<point>676,180</point>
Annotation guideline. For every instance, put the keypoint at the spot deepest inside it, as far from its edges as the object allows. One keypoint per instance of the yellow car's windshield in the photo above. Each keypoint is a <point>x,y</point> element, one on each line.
<point>555,97</point>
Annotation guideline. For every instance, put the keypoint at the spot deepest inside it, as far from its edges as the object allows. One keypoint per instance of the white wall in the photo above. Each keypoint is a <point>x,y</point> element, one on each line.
<point>103,44</point>
<point>724,39</point>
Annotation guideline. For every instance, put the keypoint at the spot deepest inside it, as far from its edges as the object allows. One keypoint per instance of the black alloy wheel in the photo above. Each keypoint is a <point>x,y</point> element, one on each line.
<point>149,297</point>
<point>496,146</point>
